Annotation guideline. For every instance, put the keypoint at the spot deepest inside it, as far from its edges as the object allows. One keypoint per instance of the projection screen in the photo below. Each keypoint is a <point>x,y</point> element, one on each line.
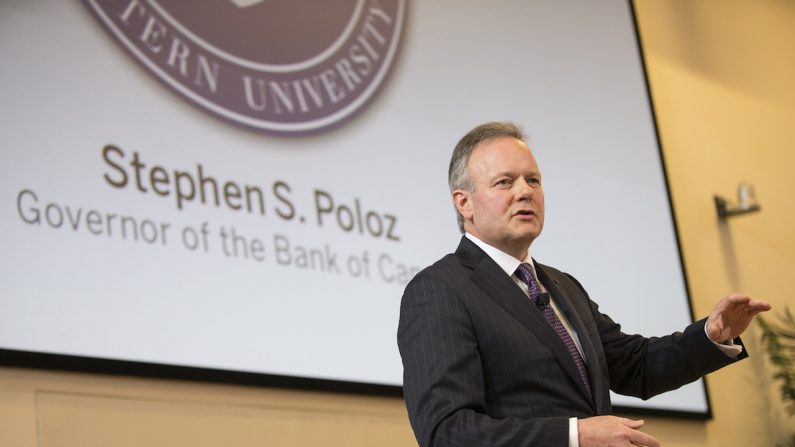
<point>247,186</point>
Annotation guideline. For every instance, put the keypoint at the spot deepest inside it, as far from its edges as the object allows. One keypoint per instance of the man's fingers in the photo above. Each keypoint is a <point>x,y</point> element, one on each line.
<point>611,430</point>
<point>633,424</point>
<point>737,298</point>
<point>753,312</point>
<point>640,438</point>
<point>757,306</point>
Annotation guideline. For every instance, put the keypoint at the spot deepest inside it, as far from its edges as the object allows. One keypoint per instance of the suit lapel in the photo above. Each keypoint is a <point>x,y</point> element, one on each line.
<point>493,281</point>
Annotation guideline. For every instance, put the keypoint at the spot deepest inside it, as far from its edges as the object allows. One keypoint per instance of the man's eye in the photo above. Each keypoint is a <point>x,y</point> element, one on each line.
<point>504,182</point>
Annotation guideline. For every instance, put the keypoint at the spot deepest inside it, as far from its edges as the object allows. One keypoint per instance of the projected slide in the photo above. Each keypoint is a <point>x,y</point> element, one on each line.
<point>248,186</point>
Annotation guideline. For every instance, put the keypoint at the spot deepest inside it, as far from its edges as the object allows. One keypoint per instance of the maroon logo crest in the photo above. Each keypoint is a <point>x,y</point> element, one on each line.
<point>279,66</point>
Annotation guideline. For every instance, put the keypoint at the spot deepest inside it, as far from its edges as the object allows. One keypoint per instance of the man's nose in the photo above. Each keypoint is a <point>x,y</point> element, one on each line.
<point>524,190</point>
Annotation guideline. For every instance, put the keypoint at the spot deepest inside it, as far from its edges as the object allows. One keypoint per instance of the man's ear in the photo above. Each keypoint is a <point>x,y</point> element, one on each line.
<point>463,203</point>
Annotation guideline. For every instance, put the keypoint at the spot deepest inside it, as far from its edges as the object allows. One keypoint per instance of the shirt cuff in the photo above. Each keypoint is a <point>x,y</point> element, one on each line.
<point>728,348</point>
<point>574,433</point>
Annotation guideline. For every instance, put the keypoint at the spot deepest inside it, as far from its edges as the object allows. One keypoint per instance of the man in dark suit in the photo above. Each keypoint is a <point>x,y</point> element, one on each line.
<point>500,350</point>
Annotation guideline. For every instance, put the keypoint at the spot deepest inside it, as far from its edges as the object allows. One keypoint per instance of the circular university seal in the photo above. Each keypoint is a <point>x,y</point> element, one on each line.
<point>280,66</point>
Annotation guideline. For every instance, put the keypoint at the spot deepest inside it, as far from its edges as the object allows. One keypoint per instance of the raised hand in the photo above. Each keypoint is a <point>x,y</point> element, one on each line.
<point>731,316</point>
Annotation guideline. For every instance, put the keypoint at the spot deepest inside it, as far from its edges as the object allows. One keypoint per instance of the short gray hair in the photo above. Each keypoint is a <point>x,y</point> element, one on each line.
<point>458,173</point>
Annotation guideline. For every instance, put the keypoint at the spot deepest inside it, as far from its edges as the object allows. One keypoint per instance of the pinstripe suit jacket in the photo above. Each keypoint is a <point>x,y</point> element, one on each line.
<point>482,366</point>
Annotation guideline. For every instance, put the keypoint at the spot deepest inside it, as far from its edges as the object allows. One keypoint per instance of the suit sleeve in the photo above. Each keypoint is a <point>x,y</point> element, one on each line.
<point>644,367</point>
<point>443,379</point>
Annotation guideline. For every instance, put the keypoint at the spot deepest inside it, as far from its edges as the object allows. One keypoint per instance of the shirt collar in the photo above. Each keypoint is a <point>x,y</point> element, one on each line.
<point>506,262</point>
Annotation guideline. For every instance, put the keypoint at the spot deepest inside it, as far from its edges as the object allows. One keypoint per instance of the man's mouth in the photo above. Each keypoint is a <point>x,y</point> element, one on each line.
<point>525,213</point>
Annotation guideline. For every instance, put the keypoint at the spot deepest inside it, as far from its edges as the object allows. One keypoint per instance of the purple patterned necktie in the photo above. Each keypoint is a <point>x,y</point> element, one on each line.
<point>524,273</point>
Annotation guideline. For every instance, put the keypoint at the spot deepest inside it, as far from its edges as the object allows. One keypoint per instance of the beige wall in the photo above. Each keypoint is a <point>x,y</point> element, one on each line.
<point>721,73</point>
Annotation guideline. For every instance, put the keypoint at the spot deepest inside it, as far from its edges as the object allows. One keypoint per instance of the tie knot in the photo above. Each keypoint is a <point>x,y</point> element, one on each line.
<point>525,273</point>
